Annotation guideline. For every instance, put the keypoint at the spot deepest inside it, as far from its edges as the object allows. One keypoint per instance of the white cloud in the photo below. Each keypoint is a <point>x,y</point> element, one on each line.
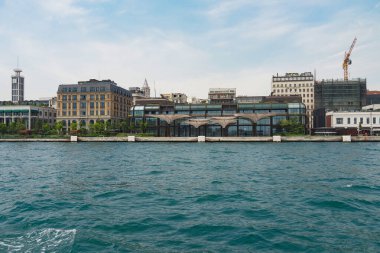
<point>62,8</point>
<point>242,54</point>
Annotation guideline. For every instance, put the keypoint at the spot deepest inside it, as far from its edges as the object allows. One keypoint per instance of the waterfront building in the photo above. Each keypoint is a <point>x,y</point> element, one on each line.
<point>195,100</point>
<point>153,102</point>
<point>367,122</point>
<point>91,101</point>
<point>17,86</point>
<point>177,98</point>
<point>222,95</point>
<point>338,95</point>
<point>249,99</point>
<point>373,97</point>
<point>27,114</point>
<point>137,93</point>
<point>296,84</point>
<point>260,119</point>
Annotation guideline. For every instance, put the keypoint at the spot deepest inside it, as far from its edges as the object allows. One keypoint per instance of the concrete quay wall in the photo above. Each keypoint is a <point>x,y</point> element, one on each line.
<point>34,140</point>
<point>207,139</point>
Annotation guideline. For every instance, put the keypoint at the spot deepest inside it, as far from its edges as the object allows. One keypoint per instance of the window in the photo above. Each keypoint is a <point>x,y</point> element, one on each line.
<point>101,104</point>
<point>64,106</point>
<point>74,97</point>
<point>348,121</point>
<point>82,97</point>
<point>64,97</point>
<point>83,89</point>
<point>83,113</point>
<point>92,97</point>
<point>367,120</point>
<point>339,121</point>
<point>74,113</point>
<point>83,105</point>
<point>92,105</point>
<point>361,120</point>
<point>74,105</point>
<point>374,120</point>
<point>102,97</point>
<point>355,121</point>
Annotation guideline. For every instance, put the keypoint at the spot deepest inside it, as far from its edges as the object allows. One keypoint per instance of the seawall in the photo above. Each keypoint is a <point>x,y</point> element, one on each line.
<point>207,139</point>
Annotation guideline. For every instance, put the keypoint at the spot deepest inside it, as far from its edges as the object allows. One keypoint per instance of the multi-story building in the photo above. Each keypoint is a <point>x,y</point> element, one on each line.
<point>249,99</point>
<point>91,101</point>
<point>186,120</point>
<point>27,114</point>
<point>17,86</point>
<point>222,95</point>
<point>338,95</point>
<point>178,98</point>
<point>296,84</point>
<point>354,122</point>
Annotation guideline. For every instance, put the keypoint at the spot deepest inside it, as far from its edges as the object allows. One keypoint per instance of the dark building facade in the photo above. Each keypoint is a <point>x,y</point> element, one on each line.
<point>338,95</point>
<point>185,120</point>
<point>373,97</point>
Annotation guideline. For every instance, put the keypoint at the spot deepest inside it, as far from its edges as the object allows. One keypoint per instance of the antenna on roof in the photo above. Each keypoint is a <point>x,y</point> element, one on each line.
<point>17,61</point>
<point>154,84</point>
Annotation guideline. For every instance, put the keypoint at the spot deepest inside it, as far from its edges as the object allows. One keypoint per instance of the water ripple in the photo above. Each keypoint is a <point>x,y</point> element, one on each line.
<point>185,197</point>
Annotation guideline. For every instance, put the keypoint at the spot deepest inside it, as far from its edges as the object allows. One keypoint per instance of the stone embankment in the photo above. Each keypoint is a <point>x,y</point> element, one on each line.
<point>308,138</point>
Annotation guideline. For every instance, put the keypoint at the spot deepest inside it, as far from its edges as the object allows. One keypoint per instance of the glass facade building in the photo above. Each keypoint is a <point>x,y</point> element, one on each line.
<point>338,95</point>
<point>153,116</point>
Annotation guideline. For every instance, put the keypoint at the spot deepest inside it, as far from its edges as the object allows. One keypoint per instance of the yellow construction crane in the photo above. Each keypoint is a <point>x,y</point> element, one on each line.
<point>347,61</point>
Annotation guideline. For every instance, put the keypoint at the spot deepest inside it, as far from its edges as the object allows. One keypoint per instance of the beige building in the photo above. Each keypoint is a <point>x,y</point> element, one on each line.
<point>91,101</point>
<point>177,98</point>
<point>222,95</point>
<point>296,84</point>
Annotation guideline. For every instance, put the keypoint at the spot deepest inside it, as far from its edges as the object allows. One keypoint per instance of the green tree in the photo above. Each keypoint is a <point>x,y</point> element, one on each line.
<point>38,125</point>
<point>59,126</point>
<point>12,128</point>
<point>74,126</point>
<point>20,125</point>
<point>99,127</point>
<point>3,128</point>
<point>143,126</point>
<point>290,127</point>
<point>124,126</point>
<point>46,128</point>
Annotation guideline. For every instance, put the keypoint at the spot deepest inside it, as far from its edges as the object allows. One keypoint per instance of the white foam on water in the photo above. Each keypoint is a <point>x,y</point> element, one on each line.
<point>45,240</point>
<point>349,185</point>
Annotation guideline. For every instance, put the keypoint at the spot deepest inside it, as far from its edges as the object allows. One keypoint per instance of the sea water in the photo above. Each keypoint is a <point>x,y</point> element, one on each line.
<point>189,197</point>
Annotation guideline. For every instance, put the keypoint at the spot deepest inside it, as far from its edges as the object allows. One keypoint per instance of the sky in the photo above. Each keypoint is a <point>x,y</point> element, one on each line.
<point>185,46</point>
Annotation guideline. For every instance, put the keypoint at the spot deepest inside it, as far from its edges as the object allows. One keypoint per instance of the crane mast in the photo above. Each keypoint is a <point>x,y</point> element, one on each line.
<point>347,61</point>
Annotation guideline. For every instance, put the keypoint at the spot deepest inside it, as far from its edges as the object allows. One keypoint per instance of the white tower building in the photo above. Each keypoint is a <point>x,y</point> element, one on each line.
<point>146,89</point>
<point>17,86</point>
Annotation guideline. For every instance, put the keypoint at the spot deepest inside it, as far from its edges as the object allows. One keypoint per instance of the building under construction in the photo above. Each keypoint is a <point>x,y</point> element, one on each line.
<point>338,95</point>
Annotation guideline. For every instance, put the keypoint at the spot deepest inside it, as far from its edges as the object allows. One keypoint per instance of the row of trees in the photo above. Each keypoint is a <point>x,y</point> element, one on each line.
<point>99,127</point>
<point>287,127</point>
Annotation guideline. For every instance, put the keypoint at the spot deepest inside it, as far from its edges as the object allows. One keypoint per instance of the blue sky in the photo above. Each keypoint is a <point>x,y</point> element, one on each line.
<point>184,45</point>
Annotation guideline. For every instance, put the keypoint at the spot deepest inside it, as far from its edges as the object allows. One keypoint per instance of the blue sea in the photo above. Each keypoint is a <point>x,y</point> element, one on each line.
<point>189,197</point>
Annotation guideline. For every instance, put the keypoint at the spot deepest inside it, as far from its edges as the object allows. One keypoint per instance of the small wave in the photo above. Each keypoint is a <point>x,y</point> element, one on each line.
<point>46,240</point>
<point>333,204</point>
